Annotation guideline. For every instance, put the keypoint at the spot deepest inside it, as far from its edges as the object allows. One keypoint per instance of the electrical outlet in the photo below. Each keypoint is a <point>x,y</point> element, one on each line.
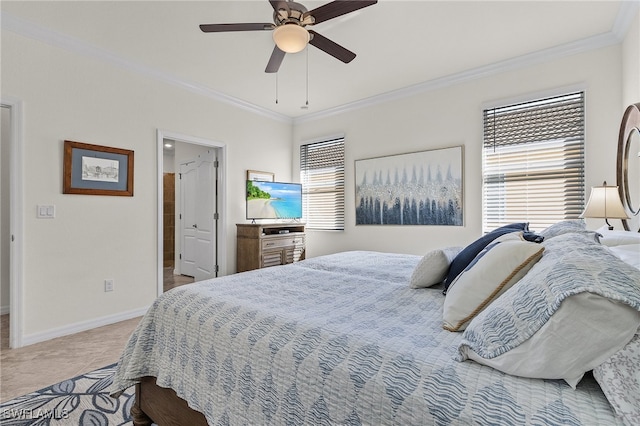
<point>108,285</point>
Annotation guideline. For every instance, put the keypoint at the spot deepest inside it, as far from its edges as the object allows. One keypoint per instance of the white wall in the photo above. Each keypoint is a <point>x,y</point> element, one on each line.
<point>70,96</point>
<point>453,116</point>
<point>167,162</point>
<point>631,64</point>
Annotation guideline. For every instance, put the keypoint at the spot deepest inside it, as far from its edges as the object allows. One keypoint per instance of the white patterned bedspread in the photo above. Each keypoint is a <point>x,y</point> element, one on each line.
<point>332,340</point>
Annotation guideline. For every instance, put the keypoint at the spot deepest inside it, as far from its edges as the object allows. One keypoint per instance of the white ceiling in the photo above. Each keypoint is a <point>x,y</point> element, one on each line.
<point>399,43</point>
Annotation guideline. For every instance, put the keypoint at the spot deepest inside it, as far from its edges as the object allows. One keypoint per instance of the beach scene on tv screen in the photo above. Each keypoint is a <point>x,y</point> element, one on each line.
<point>273,200</point>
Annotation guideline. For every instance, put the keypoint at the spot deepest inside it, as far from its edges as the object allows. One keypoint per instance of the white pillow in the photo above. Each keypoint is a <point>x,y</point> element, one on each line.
<point>564,346</point>
<point>628,253</point>
<point>619,378</point>
<point>433,267</point>
<point>491,273</point>
<point>617,238</point>
<point>576,307</point>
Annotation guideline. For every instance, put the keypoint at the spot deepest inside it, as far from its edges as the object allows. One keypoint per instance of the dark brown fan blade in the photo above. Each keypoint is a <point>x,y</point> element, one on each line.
<point>275,60</point>
<point>337,8</point>
<point>331,47</point>
<point>218,28</point>
<point>279,4</point>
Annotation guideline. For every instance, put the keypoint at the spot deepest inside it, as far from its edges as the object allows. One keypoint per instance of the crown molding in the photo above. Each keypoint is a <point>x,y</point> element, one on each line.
<point>63,41</point>
<point>626,14</point>
<point>621,25</point>
<point>520,62</point>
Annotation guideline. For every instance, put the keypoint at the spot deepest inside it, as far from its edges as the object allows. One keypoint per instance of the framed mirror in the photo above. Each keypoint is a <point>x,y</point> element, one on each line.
<point>628,166</point>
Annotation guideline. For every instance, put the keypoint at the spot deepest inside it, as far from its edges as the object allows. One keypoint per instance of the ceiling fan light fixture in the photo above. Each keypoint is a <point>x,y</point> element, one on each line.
<point>291,38</point>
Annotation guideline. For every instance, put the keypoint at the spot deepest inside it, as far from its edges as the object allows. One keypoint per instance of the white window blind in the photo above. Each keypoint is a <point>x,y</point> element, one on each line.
<point>533,162</point>
<point>322,177</point>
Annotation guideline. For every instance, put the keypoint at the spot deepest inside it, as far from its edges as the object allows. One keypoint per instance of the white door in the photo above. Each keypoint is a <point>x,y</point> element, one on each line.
<point>188,172</point>
<point>205,216</point>
<point>199,218</point>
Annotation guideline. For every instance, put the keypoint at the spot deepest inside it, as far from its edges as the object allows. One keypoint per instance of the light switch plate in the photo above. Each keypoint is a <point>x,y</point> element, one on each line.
<point>46,211</point>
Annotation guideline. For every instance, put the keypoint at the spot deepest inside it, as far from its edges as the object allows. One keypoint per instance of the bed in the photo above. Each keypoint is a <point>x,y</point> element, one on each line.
<point>533,328</point>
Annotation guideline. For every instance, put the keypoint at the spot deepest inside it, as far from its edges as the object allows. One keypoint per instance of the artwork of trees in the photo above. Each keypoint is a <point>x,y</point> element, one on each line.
<point>423,188</point>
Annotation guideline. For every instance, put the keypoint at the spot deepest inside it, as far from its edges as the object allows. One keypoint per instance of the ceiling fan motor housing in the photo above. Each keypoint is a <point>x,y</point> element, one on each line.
<point>291,13</point>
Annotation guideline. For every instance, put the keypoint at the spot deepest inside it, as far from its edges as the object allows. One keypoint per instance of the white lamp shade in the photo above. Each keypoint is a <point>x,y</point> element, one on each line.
<point>604,202</point>
<point>291,38</point>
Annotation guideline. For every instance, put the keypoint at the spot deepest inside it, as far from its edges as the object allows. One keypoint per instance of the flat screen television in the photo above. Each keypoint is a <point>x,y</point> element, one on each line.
<point>274,200</point>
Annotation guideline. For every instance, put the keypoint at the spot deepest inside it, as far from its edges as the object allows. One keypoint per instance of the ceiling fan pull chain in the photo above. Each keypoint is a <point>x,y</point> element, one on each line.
<point>276,87</point>
<point>306,104</point>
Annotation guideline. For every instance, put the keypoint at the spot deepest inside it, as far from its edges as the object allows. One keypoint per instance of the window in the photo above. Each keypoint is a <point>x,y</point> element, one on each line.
<point>322,177</point>
<point>533,162</point>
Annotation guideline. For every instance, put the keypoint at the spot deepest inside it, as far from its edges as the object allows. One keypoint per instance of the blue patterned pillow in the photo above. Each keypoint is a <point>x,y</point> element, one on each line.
<point>466,256</point>
<point>564,227</point>
<point>577,285</point>
<point>619,378</point>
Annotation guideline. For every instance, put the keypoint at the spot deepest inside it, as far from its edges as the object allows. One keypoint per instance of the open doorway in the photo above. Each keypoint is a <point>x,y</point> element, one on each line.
<point>5,306</point>
<point>11,217</point>
<point>191,203</point>
<point>5,140</point>
<point>171,277</point>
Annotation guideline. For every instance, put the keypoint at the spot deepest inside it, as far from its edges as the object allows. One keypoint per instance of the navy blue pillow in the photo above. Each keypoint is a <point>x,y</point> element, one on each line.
<point>466,256</point>
<point>532,236</point>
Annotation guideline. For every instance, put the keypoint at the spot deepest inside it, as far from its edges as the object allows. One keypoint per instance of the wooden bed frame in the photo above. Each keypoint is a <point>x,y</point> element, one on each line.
<point>163,407</point>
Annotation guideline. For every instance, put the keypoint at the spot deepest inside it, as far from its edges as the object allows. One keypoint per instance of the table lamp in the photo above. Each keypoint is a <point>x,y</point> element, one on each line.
<point>604,202</point>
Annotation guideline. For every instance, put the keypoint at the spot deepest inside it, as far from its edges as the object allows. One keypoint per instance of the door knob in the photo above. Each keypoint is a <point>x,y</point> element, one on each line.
<point>195,225</point>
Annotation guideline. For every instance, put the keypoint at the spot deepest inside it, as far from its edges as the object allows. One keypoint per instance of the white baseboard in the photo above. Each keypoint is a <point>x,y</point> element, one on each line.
<point>30,339</point>
<point>5,309</point>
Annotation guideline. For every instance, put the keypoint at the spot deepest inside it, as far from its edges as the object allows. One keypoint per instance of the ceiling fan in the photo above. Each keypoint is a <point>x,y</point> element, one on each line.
<point>289,28</point>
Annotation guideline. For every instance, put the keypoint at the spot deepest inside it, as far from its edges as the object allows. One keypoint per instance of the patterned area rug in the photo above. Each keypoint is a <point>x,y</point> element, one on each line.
<point>82,400</point>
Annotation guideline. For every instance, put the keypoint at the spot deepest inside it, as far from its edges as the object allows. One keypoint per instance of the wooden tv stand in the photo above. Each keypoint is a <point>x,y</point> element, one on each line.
<point>262,245</point>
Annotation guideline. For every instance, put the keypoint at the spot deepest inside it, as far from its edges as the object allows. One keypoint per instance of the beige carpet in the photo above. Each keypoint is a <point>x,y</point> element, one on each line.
<point>36,366</point>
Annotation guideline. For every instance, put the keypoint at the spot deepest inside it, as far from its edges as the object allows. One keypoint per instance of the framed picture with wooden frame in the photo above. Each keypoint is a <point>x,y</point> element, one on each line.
<point>97,170</point>
<point>261,176</point>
